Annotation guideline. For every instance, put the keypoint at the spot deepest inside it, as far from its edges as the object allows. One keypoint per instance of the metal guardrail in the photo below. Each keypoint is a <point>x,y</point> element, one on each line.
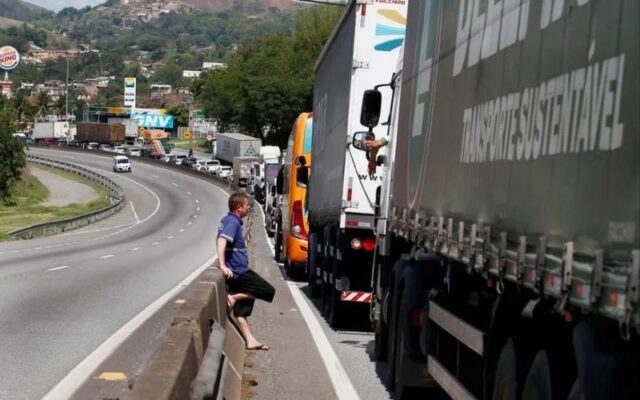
<point>55,227</point>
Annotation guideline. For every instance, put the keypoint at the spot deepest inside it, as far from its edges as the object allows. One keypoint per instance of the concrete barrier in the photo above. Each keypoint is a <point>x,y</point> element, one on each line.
<point>174,371</point>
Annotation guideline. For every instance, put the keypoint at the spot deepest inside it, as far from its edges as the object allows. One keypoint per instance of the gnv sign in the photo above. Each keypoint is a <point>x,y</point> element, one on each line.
<point>153,120</point>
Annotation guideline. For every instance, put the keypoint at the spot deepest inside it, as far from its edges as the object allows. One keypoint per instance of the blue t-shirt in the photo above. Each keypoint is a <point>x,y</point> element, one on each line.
<point>235,254</point>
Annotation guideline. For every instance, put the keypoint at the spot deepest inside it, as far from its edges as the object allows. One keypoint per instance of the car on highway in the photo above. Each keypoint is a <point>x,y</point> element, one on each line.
<point>106,147</point>
<point>134,151</point>
<point>93,146</point>
<point>189,162</point>
<point>121,164</point>
<point>224,172</point>
<point>120,150</point>
<point>180,158</point>
<point>211,166</point>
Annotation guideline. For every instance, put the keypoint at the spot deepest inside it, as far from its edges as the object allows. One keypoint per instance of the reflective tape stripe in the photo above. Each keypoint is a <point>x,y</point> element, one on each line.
<point>356,297</point>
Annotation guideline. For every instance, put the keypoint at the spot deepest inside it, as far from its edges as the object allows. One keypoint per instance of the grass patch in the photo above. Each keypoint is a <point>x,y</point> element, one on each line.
<point>22,207</point>
<point>197,144</point>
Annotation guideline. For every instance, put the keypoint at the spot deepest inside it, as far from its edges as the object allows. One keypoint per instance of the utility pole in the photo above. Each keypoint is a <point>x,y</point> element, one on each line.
<point>66,107</point>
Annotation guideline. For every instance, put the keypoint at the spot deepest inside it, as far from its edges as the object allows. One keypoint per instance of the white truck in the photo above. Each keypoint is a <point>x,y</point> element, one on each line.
<point>57,130</point>
<point>231,145</point>
<point>363,48</point>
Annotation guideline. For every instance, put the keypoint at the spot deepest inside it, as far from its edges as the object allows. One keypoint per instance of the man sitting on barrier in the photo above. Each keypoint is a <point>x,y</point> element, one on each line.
<point>243,284</point>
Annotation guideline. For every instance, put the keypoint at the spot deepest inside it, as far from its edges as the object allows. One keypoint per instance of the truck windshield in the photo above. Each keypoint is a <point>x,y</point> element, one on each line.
<point>308,131</point>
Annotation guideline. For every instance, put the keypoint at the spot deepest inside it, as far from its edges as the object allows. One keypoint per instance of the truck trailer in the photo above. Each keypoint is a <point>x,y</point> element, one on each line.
<point>113,134</point>
<point>57,130</point>
<point>363,47</point>
<point>230,145</point>
<point>508,255</point>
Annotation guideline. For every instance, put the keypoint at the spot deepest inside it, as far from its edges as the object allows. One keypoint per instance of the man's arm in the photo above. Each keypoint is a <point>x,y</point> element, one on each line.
<point>221,246</point>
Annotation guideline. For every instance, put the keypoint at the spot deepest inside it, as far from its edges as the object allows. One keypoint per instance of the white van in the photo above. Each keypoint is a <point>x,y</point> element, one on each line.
<point>121,164</point>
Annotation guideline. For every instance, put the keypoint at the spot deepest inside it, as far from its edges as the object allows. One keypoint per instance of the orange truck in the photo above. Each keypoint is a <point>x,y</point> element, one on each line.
<point>291,231</point>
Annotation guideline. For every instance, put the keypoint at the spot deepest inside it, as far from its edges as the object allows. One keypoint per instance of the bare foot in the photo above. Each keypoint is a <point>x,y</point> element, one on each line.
<point>257,346</point>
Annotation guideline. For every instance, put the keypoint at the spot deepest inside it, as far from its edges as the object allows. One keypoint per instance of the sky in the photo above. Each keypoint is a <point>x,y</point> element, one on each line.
<point>58,5</point>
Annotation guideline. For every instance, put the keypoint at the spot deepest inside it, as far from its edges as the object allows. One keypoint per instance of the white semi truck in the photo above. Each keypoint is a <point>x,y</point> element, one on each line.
<point>363,47</point>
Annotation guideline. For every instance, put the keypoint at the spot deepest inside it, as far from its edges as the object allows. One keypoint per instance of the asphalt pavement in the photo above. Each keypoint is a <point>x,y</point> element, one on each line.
<point>63,297</point>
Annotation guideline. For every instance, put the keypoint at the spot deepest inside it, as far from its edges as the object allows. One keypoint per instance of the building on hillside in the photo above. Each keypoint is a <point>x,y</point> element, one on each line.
<point>191,74</point>
<point>213,65</point>
<point>159,90</point>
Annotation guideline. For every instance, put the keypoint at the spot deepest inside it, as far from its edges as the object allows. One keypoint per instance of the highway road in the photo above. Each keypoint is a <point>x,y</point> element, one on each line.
<point>63,297</point>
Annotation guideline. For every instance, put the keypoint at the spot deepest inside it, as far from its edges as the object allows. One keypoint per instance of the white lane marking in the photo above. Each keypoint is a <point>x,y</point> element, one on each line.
<point>135,249</point>
<point>181,230</point>
<point>169,237</point>
<point>154,176</point>
<point>58,268</point>
<point>175,184</point>
<point>189,193</point>
<point>338,375</point>
<point>190,223</point>
<point>155,243</point>
<point>78,375</point>
<point>135,214</point>
<point>106,256</point>
<point>197,201</point>
<point>197,208</point>
<point>195,216</point>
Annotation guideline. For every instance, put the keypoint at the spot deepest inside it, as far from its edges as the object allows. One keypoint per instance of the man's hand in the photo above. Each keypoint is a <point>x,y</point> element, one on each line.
<point>228,274</point>
<point>373,144</point>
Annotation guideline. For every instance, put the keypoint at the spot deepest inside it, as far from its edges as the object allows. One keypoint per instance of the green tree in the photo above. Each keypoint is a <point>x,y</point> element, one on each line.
<point>268,80</point>
<point>180,115</point>
<point>43,103</point>
<point>12,158</point>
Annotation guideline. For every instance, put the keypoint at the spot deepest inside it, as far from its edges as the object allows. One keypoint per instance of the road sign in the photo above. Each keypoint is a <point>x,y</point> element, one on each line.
<point>186,135</point>
<point>130,92</point>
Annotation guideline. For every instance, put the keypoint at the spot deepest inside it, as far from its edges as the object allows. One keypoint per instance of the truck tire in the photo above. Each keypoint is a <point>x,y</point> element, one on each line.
<point>402,390</point>
<point>278,243</point>
<point>539,385</point>
<point>312,262</point>
<point>390,372</point>
<point>380,343</point>
<point>335,313</point>
<point>511,370</point>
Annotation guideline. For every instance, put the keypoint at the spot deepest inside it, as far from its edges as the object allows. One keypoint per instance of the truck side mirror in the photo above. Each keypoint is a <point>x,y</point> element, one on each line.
<point>302,176</point>
<point>360,137</point>
<point>371,106</point>
<point>280,181</point>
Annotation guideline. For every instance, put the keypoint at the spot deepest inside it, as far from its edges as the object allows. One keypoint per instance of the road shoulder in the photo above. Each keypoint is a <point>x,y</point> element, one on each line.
<point>293,368</point>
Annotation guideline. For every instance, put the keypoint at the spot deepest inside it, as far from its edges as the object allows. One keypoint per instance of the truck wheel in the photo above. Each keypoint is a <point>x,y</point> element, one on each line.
<point>278,243</point>
<point>510,371</point>
<point>390,373</point>
<point>538,385</point>
<point>336,309</point>
<point>314,289</point>
<point>380,342</point>
<point>402,391</point>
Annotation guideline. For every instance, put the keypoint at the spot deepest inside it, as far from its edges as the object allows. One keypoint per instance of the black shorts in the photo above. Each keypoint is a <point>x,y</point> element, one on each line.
<point>250,283</point>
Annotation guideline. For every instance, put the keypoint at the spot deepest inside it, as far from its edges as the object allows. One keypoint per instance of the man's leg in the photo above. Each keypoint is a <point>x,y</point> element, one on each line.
<point>252,342</point>
<point>235,297</point>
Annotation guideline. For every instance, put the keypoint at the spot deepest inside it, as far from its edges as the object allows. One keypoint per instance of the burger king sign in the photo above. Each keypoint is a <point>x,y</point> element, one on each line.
<point>9,58</point>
